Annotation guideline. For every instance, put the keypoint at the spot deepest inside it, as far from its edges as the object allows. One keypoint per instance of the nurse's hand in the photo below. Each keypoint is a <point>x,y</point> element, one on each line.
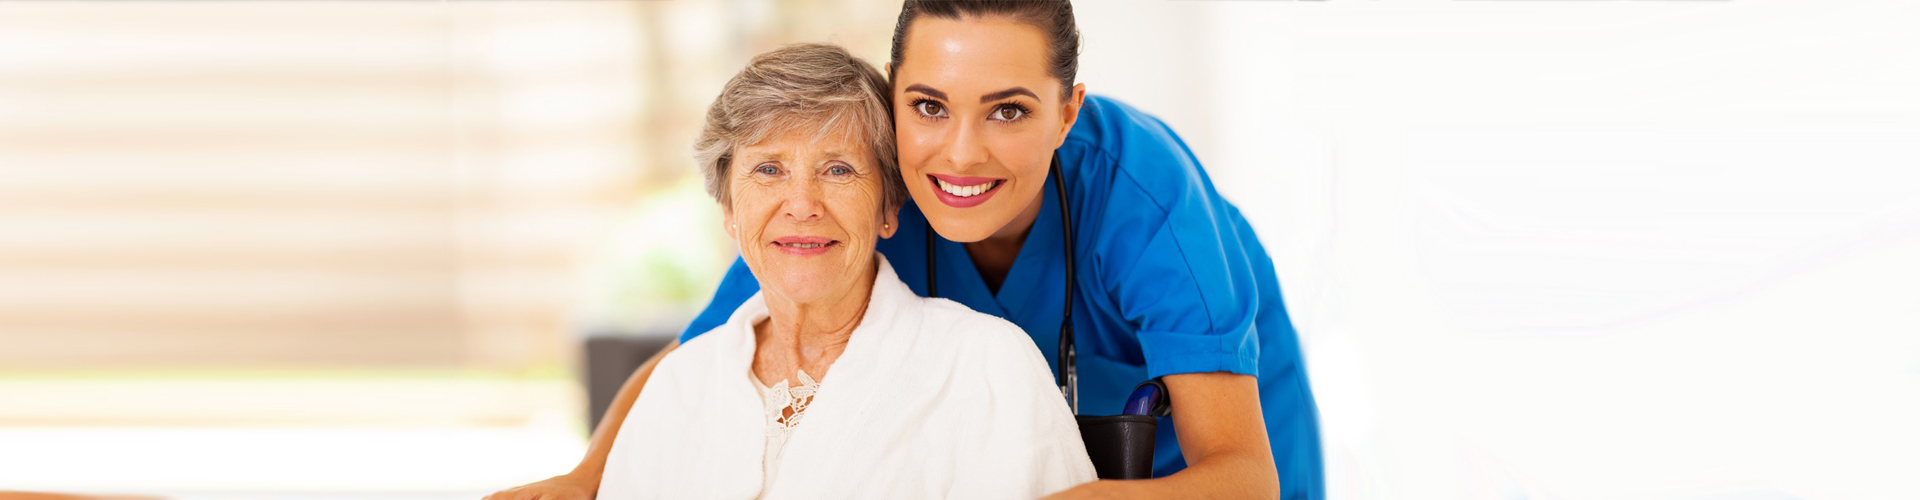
<point>584,481</point>
<point>1105,489</point>
<point>1222,436</point>
<point>28,495</point>
<point>562,487</point>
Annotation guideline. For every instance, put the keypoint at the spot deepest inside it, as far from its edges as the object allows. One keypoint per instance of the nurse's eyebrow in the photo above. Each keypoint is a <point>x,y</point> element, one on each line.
<point>928,91</point>
<point>1008,93</point>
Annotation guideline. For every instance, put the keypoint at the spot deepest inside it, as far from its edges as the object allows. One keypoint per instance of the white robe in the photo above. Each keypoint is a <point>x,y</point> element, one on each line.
<point>930,399</point>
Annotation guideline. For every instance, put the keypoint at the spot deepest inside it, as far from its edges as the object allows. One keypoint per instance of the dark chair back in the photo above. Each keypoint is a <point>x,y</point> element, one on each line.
<point>1121,446</point>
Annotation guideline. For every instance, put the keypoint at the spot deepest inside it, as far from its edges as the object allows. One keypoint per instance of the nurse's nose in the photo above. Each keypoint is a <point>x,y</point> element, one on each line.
<point>965,147</point>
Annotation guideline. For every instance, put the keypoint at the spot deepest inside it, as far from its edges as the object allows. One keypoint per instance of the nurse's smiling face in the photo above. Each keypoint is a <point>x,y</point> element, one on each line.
<point>977,116</point>
<point>806,211</point>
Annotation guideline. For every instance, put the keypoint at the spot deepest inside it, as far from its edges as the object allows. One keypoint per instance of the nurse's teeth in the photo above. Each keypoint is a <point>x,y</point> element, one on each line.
<point>964,191</point>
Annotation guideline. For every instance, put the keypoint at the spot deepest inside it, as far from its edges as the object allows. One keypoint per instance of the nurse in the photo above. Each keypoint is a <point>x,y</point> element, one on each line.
<point>1171,280</point>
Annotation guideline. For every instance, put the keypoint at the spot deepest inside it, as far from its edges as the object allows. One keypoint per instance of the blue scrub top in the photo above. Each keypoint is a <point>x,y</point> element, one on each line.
<point>1171,280</point>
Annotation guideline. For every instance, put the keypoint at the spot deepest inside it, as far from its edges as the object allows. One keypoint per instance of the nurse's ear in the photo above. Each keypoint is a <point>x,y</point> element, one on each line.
<point>1070,112</point>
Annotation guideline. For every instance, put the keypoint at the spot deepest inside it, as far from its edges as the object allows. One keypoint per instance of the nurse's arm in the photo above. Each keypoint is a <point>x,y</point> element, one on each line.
<point>583,482</point>
<point>1223,437</point>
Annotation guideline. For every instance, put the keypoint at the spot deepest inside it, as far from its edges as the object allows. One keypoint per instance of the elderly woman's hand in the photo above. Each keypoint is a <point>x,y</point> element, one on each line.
<point>562,487</point>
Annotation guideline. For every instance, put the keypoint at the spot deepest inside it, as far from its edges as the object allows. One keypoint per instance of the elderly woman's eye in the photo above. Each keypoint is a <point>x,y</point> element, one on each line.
<point>929,108</point>
<point>839,170</point>
<point>767,169</point>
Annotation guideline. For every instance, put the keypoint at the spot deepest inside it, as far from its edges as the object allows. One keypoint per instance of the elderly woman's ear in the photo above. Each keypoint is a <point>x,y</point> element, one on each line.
<point>726,223</point>
<point>889,221</point>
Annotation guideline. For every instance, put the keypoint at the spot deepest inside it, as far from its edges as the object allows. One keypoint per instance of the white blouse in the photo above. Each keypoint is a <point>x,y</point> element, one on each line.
<point>928,400</point>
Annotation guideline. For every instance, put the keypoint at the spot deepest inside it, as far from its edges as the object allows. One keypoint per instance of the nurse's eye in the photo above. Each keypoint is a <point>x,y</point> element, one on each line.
<point>930,109</point>
<point>1009,112</point>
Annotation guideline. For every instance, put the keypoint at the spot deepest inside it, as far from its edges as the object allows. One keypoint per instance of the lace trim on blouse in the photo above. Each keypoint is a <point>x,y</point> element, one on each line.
<point>785,407</point>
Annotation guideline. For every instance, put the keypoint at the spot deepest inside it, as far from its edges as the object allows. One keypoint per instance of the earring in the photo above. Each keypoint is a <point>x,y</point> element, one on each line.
<point>886,226</point>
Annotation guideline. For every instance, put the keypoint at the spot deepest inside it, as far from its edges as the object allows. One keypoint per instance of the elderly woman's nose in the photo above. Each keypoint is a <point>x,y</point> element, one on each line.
<point>964,146</point>
<point>803,199</point>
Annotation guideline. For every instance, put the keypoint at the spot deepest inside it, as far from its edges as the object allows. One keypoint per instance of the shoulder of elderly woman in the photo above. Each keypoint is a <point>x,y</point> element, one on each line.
<point>985,338</point>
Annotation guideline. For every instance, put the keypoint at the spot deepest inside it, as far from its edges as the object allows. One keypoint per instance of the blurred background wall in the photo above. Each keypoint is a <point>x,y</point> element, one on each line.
<point>377,184</point>
<point>1565,250</point>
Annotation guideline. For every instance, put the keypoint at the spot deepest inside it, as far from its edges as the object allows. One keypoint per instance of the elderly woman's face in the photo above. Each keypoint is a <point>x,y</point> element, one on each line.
<point>807,212</point>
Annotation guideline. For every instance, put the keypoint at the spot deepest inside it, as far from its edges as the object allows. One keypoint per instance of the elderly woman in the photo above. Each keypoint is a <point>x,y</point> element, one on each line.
<point>836,380</point>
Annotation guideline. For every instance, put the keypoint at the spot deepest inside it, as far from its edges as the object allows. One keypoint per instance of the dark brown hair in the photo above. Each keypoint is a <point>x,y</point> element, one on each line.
<point>1053,17</point>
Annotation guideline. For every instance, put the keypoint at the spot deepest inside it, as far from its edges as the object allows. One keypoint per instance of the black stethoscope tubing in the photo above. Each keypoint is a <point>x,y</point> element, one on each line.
<point>1066,376</point>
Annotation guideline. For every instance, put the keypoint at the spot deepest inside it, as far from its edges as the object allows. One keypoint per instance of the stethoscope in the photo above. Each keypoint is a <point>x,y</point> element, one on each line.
<point>1148,398</point>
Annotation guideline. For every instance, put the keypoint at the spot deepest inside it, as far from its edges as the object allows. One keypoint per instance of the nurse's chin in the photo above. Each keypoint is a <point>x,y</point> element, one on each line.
<point>966,229</point>
<point>983,222</point>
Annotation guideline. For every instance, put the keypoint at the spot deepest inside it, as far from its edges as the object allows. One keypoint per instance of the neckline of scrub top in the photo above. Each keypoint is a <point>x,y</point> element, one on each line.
<point>1031,287</point>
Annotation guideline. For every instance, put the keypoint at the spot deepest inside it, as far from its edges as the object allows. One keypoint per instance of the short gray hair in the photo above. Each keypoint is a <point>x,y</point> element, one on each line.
<point>798,85</point>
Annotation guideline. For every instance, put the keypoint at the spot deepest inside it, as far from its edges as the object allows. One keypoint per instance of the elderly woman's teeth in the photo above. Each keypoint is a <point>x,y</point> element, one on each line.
<point>965,191</point>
